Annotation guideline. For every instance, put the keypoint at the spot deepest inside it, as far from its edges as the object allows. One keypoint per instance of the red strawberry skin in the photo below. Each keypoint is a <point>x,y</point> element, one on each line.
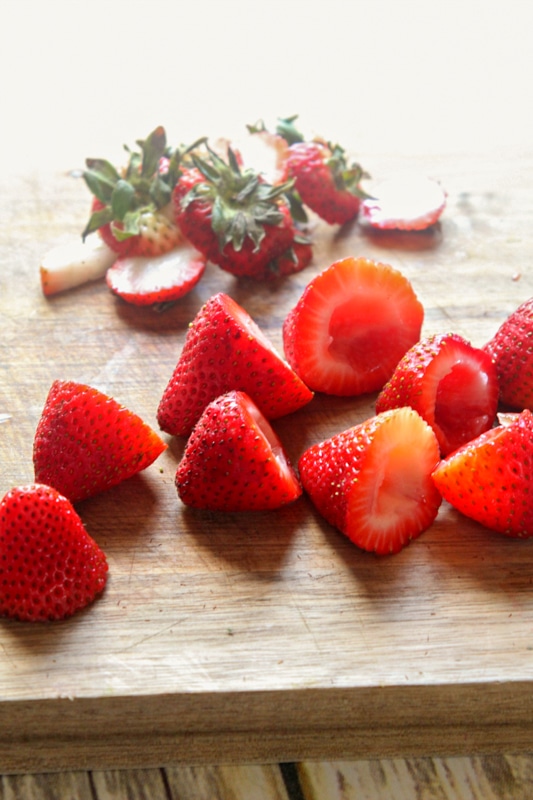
<point>373,481</point>
<point>490,478</point>
<point>512,351</point>
<point>86,442</point>
<point>352,324</point>
<point>234,461</point>
<point>49,565</point>
<point>225,350</point>
<point>451,384</point>
<point>306,162</point>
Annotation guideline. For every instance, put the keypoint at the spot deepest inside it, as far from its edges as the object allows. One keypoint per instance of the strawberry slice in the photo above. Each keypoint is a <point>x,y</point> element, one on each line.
<point>225,350</point>
<point>373,481</point>
<point>511,350</point>
<point>86,442</point>
<point>490,478</point>
<point>451,384</point>
<point>234,461</point>
<point>406,201</point>
<point>150,280</point>
<point>74,263</point>
<point>49,565</point>
<point>351,326</point>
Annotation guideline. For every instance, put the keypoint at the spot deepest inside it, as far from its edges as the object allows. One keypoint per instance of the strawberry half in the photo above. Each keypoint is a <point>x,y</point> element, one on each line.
<point>451,384</point>
<point>144,280</point>
<point>512,351</point>
<point>234,461</point>
<point>351,326</point>
<point>225,350</point>
<point>86,442</point>
<point>373,481</point>
<point>407,202</point>
<point>490,478</point>
<point>49,565</point>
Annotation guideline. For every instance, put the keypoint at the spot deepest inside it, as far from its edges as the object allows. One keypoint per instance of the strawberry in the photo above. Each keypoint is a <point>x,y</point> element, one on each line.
<point>352,324</point>
<point>233,216</point>
<point>234,461</point>
<point>293,260</point>
<point>132,208</point>
<point>144,280</point>
<point>224,350</point>
<point>512,351</point>
<point>85,442</point>
<point>451,384</point>
<point>405,202</point>
<point>373,481</point>
<point>49,565</point>
<point>69,265</point>
<point>489,479</point>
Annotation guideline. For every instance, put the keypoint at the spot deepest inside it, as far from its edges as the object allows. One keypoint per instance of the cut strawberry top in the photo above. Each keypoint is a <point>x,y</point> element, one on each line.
<point>406,201</point>
<point>351,326</point>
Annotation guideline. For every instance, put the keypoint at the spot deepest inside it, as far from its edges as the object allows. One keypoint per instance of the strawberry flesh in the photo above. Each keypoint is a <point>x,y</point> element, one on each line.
<point>489,479</point>
<point>373,481</point>
<point>404,202</point>
<point>234,461</point>
<point>351,326</point>
<point>49,565</point>
<point>451,384</point>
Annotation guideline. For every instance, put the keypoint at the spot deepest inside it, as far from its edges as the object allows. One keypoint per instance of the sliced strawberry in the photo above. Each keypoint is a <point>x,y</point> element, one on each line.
<point>49,565</point>
<point>406,202</point>
<point>451,384</point>
<point>86,442</point>
<point>373,481</point>
<point>351,326</point>
<point>512,351</point>
<point>490,478</point>
<point>225,350</point>
<point>147,280</point>
<point>234,461</point>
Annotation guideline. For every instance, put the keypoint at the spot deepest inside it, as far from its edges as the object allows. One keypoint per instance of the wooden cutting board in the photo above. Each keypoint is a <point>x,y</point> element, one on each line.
<point>262,637</point>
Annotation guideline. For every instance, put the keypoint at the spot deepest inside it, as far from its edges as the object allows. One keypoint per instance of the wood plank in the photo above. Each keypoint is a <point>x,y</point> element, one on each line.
<point>46,786</point>
<point>135,784</point>
<point>238,782</point>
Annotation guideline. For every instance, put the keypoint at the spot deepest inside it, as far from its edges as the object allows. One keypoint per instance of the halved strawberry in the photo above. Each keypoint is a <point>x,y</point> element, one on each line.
<point>147,280</point>
<point>224,350</point>
<point>451,384</point>
<point>373,481</point>
<point>490,478</point>
<point>234,461</point>
<point>49,565</point>
<point>69,265</point>
<point>512,351</point>
<point>406,202</point>
<point>351,326</point>
<point>86,442</point>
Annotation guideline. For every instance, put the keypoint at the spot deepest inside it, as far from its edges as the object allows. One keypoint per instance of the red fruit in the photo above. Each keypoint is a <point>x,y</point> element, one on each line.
<point>234,461</point>
<point>511,348</point>
<point>490,478</point>
<point>143,280</point>
<point>351,326</point>
<point>225,350</point>
<point>373,481</point>
<point>49,565</point>
<point>325,182</point>
<point>232,216</point>
<point>406,202</point>
<point>293,260</point>
<point>451,384</point>
<point>86,442</point>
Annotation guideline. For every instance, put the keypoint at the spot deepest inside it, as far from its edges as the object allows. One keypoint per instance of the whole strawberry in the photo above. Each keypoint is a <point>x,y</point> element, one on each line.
<point>232,216</point>
<point>234,461</point>
<point>490,478</point>
<point>224,350</point>
<point>512,351</point>
<point>451,384</point>
<point>49,565</point>
<point>86,442</point>
<point>373,481</point>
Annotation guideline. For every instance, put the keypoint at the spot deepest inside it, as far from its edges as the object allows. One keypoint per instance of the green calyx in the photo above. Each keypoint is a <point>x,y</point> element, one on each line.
<point>142,186</point>
<point>347,177</point>
<point>241,202</point>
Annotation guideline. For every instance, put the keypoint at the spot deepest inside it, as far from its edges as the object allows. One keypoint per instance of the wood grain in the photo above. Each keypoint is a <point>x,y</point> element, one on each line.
<point>262,637</point>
